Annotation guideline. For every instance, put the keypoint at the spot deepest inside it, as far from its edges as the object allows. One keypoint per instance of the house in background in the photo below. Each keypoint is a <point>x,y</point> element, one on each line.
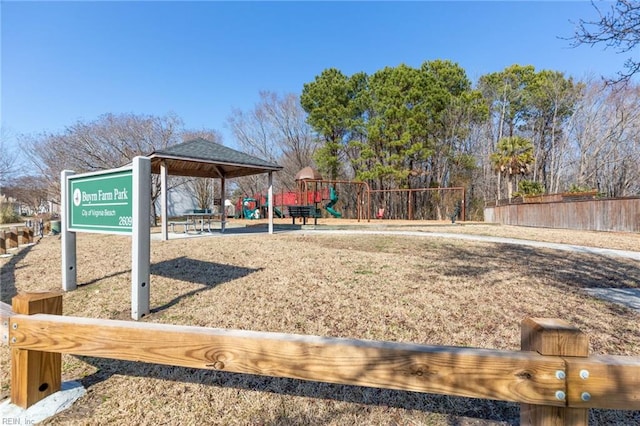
<point>180,200</point>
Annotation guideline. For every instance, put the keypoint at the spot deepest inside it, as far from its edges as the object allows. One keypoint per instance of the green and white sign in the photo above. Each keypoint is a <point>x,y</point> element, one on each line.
<point>115,201</point>
<point>101,202</point>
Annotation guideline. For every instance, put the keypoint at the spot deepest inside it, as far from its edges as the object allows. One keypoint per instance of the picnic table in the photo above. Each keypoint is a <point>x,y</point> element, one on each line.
<point>195,217</point>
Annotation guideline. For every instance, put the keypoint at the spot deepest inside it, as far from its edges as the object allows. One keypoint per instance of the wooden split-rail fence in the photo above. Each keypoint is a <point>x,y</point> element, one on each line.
<point>552,376</point>
<point>15,236</point>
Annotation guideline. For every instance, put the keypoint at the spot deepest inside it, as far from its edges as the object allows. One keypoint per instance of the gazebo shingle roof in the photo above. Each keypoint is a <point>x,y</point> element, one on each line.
<point>202,158</point>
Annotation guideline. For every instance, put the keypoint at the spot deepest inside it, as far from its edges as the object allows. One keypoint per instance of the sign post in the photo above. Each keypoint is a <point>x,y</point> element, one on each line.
<point>115,201</point>
<point>69,274</point>
<point>140,238</point>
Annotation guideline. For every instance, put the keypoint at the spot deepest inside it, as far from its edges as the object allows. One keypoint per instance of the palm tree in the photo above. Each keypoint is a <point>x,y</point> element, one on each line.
<point>513,156</point>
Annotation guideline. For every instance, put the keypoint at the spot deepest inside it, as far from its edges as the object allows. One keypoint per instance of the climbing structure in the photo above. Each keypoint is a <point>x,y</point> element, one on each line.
<point>314,190</point>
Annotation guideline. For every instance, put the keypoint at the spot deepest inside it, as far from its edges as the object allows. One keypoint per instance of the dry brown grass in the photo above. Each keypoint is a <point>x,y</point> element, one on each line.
<point>383,287</point>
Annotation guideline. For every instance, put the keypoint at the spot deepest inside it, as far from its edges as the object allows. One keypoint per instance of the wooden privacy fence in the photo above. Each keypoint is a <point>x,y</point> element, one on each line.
<point>552,376</point>
<point>14,237</point>
<point>591,215</point>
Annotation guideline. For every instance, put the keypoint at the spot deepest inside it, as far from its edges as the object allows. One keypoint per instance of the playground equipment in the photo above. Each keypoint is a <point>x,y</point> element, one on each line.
<point>276,211</point>
<point>359,208</point>
<point>352,200</point>
<point>257,206</point>
<point>420,203</point>
<point>361,202</point>
<point>333,199</point>
<point>249,208</point>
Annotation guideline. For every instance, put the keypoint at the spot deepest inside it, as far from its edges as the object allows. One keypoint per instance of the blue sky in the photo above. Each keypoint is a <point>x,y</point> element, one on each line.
<point>69,61</point>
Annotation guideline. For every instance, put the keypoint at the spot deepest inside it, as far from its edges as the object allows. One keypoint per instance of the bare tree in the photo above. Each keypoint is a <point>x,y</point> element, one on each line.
<point>206,134</point>
<point>203,190</point>
<point>7,160</point>
<point>110,141</point>
<point>484,181</point>
<point>605,137</point>
<point>619,28</point>
<point>31,191</point>
<point>275,130</point>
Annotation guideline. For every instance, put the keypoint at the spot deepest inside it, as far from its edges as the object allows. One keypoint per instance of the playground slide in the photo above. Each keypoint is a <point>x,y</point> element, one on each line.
<point>332,211</point>
<point>277,212</point>
<point>329,206</point>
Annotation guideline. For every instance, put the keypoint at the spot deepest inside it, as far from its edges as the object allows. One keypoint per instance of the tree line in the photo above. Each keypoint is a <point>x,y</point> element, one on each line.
<point>516,131</point>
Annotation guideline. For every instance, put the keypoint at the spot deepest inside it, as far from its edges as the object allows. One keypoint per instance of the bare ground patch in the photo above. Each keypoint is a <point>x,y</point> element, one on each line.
<point>423,290</point>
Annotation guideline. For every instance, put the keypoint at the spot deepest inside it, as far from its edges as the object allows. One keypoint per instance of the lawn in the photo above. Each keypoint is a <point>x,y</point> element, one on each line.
<point>429,289</point>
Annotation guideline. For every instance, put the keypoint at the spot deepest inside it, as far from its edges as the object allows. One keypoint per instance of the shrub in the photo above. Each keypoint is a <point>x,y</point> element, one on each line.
<point>8,214</point>
<point>529,187</point>
<point>576,189</point>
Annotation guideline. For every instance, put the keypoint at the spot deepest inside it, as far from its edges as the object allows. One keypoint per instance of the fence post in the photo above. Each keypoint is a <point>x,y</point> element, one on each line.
<point>13,238</point>
<point>559,338</point>
<point>24,235</point>
<point>34,374</point>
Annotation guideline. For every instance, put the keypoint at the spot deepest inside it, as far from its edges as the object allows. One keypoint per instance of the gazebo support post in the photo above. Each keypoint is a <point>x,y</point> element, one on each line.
<point>163,200</point>
<point>270,207</point>
<point>223,194</point>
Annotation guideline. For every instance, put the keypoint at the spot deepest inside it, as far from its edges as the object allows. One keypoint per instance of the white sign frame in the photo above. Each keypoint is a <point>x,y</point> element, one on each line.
<point>140,235</point>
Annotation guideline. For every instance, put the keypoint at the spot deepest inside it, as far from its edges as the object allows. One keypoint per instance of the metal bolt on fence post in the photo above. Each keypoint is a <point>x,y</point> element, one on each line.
<point>586,396</point>
<point>560,395</point>
<point>560,375</point>
<point>584,374</point>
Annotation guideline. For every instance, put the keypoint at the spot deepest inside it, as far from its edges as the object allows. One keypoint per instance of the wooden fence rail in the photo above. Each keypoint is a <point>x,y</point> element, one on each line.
<point>15,236</point>
<point>547,377</point>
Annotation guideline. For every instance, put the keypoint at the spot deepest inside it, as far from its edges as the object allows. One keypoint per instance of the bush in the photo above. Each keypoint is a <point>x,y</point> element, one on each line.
<point>8,214</point>
<point>577,189</point>
<point>529,187</point>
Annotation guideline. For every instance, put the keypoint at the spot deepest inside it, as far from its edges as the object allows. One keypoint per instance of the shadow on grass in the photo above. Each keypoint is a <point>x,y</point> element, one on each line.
<point>567,270</point>
<point>8,287</point>
<point>97,280</point>
<point>206,274</point>
<point>263,228</point>
<point>453,408</point>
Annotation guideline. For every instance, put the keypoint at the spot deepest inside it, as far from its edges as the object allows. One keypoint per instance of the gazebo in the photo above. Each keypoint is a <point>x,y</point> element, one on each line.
<point>202,158</point>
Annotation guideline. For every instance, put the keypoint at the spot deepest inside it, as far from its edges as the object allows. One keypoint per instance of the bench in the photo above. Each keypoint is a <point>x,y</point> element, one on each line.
<point>304,212</point>
<point>185,223</point>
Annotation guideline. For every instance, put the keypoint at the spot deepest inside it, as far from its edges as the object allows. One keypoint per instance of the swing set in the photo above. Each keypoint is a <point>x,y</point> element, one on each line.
<point>353,200</point>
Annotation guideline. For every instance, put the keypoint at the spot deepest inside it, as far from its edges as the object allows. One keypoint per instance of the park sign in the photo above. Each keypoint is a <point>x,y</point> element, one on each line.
<point>115,201</point>
<point>101,202</point>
